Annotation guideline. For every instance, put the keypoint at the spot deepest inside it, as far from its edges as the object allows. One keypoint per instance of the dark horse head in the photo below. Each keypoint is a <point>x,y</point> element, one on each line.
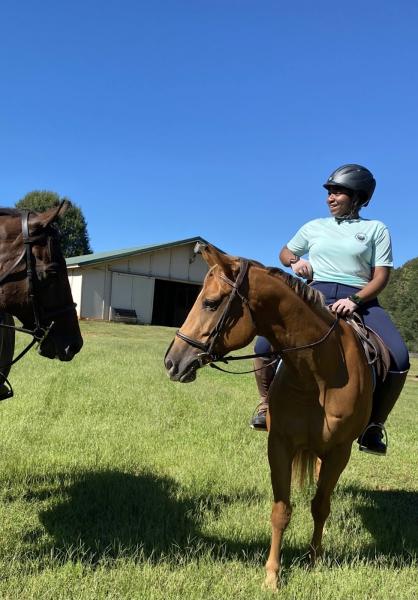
<point>34,284</point>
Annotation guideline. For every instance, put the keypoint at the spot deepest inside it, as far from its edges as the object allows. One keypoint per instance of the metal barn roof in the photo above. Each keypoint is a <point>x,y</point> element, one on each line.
<point>98,257</point>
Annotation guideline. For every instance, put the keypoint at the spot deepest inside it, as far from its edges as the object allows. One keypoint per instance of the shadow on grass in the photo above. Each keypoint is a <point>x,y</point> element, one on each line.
<point>110,514</point>
<point>391,518</point>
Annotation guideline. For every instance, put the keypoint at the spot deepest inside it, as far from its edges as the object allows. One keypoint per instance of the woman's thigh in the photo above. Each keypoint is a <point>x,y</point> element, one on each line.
<point>375,317</point>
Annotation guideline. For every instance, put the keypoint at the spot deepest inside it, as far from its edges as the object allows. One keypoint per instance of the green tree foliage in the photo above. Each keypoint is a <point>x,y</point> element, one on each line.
<point>400,299</point>
<point>73,226</point>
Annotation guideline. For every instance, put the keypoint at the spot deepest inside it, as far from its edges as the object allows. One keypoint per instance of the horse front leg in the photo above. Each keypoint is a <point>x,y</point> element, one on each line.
<point>280,459</point>
<point>332,466</point>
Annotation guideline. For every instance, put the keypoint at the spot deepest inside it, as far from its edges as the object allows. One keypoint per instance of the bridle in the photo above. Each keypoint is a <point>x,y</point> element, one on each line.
<point>208,356</point>
<point>39,332</point>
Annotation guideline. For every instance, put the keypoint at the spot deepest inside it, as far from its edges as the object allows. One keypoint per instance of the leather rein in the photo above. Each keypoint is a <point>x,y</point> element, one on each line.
<point>39,333</point>
<point>208,356</point>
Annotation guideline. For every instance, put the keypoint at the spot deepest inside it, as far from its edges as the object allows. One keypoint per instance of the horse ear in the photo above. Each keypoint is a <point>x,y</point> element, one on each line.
<point>213,256</point>
<point>49,216</point>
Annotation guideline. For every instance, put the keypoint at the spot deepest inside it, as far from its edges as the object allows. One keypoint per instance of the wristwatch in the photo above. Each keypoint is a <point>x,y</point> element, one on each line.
<point>356,299</point>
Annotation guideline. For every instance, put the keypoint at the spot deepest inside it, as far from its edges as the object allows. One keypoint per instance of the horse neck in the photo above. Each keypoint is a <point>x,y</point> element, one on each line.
<point>282,315</point>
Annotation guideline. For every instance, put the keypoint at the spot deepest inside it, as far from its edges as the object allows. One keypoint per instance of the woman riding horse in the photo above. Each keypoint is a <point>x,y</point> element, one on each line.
<point>321,397</point>
<point>349,261</point>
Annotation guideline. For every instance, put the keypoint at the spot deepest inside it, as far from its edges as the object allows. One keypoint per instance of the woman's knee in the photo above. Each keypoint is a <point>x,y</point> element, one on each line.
<point>262,345</point>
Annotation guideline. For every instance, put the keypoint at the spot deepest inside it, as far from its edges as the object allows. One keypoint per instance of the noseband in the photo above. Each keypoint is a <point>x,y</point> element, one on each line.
<point>39,332</point>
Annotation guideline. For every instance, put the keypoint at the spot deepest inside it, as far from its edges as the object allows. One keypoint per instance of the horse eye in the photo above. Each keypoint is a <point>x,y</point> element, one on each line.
<point>210,304</point>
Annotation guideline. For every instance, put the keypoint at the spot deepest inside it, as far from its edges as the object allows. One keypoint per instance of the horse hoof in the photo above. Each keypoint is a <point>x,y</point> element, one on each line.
<point>271,583</point>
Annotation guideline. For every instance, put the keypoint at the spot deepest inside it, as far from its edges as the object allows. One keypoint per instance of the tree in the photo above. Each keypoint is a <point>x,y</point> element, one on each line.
<point>400,298</point>
<point>73,226</point>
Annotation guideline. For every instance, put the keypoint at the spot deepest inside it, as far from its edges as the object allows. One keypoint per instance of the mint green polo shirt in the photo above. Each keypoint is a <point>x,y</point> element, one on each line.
<point>344,252</point>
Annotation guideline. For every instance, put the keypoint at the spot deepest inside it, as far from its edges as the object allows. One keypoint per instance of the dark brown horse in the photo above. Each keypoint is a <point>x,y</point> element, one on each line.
<point>34,286</point>
<point>320,400</point>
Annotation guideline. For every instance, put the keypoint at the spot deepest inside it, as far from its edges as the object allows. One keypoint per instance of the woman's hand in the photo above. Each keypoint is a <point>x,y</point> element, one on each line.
<point>344,307</point>
<point>302,268</point>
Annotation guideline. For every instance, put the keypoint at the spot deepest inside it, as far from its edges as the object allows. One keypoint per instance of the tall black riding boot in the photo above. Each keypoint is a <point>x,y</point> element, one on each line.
<point>264,375</point>
<point>384,399</point>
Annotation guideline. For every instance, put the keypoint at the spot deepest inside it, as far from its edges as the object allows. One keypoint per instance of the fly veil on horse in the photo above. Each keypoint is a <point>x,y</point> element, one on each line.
<point>321,397</point>
<point>34,288</point>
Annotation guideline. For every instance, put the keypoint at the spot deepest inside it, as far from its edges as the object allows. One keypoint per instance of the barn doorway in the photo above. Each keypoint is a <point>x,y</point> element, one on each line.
<point>172,302</point>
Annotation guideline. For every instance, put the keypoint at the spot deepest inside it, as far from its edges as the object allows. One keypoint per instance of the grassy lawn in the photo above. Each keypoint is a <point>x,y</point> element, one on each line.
<point>117,483</point>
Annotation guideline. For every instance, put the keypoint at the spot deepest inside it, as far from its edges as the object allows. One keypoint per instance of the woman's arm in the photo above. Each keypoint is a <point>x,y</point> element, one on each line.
<point>299,266</point>
<point>378,282</point>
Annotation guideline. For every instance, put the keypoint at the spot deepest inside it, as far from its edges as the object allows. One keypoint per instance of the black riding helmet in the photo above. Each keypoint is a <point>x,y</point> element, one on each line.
<point>355,178</point>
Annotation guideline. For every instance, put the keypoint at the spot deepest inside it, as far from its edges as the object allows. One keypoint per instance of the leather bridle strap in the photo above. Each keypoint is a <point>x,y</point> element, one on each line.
<point>208,346</point>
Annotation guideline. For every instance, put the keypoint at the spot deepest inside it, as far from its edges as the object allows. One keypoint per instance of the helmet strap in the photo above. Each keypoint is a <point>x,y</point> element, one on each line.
<point>353,212</point>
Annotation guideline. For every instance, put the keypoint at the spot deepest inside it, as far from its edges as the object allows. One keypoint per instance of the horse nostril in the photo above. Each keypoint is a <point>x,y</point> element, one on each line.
<point>168,364</point>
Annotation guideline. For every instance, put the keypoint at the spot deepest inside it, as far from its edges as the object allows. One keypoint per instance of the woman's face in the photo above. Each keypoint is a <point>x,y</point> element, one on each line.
<point>339,201</point>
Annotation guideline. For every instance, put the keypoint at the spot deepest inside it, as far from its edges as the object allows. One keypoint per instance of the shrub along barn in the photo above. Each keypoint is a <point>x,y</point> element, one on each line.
<point>158,283</point>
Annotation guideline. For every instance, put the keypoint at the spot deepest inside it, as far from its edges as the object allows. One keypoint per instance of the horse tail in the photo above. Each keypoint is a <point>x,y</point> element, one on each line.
<point>303,467</point>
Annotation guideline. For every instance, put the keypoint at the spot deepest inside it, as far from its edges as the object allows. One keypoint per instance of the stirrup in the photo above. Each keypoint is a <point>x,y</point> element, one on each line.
<point>259,418</point>
<point>363,447</point>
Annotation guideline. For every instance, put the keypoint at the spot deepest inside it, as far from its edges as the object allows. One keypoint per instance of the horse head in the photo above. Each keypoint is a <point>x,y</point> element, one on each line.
<point>34,284</point>
<point>220,320</point>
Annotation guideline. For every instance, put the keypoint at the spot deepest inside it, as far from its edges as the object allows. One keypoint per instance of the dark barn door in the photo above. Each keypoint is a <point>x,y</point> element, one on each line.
<point>172,302</point>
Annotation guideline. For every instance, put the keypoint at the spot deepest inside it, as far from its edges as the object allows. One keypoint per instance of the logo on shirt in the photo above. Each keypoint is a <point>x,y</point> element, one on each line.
<point>361,237</point>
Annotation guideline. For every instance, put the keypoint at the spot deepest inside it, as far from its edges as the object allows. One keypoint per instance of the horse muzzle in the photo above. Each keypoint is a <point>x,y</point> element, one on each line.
<point>62,347</point>
<point>182,366</point>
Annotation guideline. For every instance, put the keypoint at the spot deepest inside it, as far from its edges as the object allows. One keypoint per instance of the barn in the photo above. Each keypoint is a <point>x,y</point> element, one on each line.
<point>155,284</point>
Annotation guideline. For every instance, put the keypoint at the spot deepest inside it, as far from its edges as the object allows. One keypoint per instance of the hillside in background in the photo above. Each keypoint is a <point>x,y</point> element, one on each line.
<point>400,299</point>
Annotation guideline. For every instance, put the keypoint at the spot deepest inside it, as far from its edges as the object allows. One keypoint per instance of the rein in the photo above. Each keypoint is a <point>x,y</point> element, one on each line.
<point>209,357</point>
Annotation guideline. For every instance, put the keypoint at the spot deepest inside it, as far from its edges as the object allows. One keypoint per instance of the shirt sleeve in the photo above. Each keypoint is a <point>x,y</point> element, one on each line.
<point>299,244</point>
<point>382,256</point>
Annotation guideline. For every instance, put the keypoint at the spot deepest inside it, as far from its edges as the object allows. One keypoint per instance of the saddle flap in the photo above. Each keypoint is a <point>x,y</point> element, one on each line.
<point>376,351</point>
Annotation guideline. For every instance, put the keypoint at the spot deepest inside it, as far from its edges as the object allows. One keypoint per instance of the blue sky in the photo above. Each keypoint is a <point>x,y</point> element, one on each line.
<point>165,120</point>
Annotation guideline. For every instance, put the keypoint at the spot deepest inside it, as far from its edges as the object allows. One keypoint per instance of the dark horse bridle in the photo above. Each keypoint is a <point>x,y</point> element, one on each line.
<point>208,356</point>
<point>39,332</point>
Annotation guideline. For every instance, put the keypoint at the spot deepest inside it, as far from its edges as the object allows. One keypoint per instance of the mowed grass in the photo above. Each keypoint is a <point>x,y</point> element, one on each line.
<point>117,483</point>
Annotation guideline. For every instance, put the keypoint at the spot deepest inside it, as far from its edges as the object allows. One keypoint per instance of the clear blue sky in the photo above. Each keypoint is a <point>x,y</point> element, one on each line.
<point>170,119</point>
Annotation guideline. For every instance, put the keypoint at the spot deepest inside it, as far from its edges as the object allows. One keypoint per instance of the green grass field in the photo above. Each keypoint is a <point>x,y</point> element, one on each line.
<point>117,483</point>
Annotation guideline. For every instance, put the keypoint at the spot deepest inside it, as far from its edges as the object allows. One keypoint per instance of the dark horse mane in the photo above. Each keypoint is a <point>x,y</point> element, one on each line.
<point>9,212</point>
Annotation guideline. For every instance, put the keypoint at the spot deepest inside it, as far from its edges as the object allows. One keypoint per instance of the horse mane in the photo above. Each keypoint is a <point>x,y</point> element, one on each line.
<point>310,295</point>
<point>9,212</point>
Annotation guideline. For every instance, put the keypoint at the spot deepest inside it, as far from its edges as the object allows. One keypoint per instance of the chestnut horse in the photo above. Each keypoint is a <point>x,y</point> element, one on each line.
<point>34,288</point>
<point>321,397</point>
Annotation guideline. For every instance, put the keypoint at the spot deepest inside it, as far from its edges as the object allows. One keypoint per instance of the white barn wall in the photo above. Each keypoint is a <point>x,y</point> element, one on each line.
<point>160,263</point>
<point>179,263</point>
<point>76,283</point>
<point>92,301</point>
<point>133,292</point>
<point>143,297</point>
<point>198,269</point>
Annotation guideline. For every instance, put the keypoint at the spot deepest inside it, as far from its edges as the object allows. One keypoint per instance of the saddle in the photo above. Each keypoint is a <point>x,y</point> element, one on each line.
<point>375,350</point>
